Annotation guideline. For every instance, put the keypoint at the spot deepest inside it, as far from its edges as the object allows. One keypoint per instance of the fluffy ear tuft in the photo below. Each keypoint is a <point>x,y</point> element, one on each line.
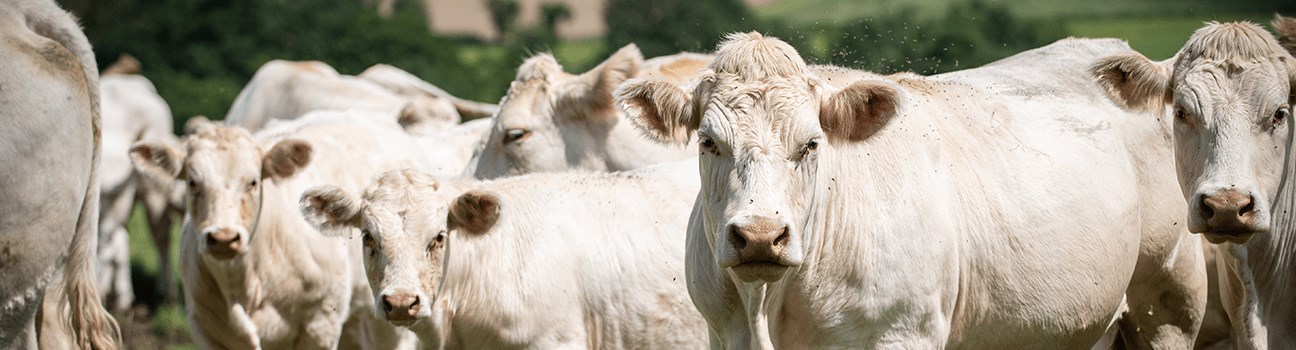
<point>1285,27</point>
<point>859,110</point>
<point>197,123</point>
<point>1133,81</point>
<point>331,210</point>
<point>661,110</point>
<point>474,212</point>
<point>604,79</point>
<point>158,161</point>
<point>285,159</point>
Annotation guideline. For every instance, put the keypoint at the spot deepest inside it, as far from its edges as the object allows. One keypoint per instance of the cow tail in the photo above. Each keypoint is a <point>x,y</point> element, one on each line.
<point>93,326</point>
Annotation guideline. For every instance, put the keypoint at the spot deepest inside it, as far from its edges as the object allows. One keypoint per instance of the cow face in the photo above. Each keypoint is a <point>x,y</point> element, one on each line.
<point>1230,93</point>
<point>225,171</point>
<point>402,226</point>
<point>763,122</point>
<point>554,121</point>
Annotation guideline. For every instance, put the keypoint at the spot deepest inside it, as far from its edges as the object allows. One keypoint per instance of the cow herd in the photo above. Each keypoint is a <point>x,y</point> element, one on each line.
<point>1077,195</point>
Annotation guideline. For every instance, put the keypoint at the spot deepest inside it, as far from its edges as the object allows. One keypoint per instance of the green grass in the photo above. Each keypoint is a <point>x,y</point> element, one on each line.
<point>166,327</point>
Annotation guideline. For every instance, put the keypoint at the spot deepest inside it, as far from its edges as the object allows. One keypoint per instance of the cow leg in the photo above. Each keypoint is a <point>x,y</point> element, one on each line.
<point>160,228</point>
<point>122,293</point>
<point>1167,295</point>
<point>157,206</point>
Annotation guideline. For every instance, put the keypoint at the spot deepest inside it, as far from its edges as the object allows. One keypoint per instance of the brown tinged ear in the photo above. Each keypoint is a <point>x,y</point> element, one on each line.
<point>604,79</point>
<point>859,110</point>
<point>197,123</point>
<point>285,159</point>
<point>661,110</point>
<point>331,210</point>
<point>1285,27</point>
<point>475,212</point>
<point>157,161</point>
<point>1133,81</point>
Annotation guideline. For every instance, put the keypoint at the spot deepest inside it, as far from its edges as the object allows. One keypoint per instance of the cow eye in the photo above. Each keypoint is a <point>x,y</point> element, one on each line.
<point>1280,116</point>
<point>812,145</point>
<point>706,142</point>
<point>366,238</point>
<point>515,134</point>
<point>1180,114</point>
<point>253,184</point>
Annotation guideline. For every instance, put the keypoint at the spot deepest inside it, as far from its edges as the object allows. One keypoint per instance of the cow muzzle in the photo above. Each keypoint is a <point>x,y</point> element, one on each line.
<point>401,308</point>
<point>1228,216</point>
<point>223,243</point>
<point>762,247</point>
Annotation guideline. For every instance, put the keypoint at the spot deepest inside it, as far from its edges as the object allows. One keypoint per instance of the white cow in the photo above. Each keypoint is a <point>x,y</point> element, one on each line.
<point>256,274</point>
<point>409,86</point>
<point>49,189</point>
<point>1229,92</point>
<point>554,121</point>
<point>132,112</point>
<point>284,90</point>
<point>540,262</point>
<point>449,151</point>
<point>1003,207</point>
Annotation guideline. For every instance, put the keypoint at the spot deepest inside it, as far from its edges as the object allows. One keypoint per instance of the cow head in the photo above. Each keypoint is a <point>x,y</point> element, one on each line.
<point>402,223</point>
<point>763,121</point>
<point>1230,93</point>
<point>552,121</point>
<point>225,172</point>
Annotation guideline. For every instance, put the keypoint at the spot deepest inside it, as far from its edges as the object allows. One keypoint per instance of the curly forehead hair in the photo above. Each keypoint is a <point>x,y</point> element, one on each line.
<point>399,186</point>
<point>752,56</point>
<point>1237,40</point>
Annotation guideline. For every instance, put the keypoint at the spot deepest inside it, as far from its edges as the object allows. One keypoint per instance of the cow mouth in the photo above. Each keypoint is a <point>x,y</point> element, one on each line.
<point>403,322</point>
<point>759,270</point>
<point>1237,236</point>
<point>222,253</point>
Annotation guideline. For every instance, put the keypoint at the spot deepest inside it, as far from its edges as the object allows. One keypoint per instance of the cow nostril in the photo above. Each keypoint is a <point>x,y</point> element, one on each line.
<point>386,304</point>
<point>782,238</point>
<point>737,238</point>
<point>414,306</point>
<point>1206,211</point>
<point>1249,207</point>
<point>235,239</point>
<point>212,240</point>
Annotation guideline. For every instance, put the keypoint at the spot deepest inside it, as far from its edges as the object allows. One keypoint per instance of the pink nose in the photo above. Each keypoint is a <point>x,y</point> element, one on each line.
<point>1228,210</point>
<point>401,306</point>
<point>760,240</point>
<point>223,243</point>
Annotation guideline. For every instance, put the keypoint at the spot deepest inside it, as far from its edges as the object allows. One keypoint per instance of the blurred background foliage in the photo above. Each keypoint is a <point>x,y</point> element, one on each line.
<point>199,53</point>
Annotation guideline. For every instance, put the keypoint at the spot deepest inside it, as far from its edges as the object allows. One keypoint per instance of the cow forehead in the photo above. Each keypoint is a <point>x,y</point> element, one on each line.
<point>231,157</point>
<point>776,105</point>
<point>415,208</point>
<point>1254,83</point>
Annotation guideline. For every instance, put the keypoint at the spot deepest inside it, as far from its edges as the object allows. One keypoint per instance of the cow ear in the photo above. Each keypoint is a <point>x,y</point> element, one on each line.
<point>859,110</point>
<point>331,210</point>
<point>1133,81</point>
<point>661,110</point>
<point>157,160</point>
<point>604,79</point>
<point>475,212</point>
<point>1285,27</point>
<point>285,159</point>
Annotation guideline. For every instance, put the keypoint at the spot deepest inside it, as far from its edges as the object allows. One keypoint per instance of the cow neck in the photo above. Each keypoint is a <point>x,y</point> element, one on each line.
<point>1272,255</point>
